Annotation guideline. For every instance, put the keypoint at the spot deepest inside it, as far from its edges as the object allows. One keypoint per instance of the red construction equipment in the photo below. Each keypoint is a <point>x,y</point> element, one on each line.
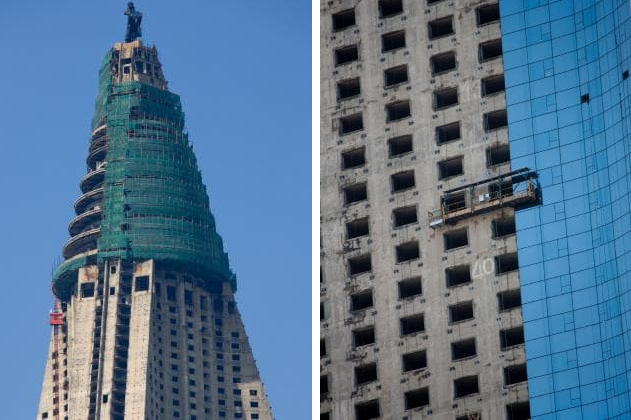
<point>57,322</point>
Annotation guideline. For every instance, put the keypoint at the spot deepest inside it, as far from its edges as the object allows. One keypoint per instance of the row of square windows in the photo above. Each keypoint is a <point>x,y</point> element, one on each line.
<point>412,287</point>
<point>191,347</point>
<point>462,349</point>
<point>485,14</point>
<point>497,154</point>
<point>405,180</point>
<point>455,276</point>
<point>419,398</point>
<point>439,63</point>
<point>462,387</point>
<point>401,109</point>
<point>221,391</point>
<point>443,97</point>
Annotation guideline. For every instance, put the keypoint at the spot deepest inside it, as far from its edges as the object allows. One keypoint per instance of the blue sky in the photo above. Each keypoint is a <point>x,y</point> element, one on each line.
<point>243,71</point>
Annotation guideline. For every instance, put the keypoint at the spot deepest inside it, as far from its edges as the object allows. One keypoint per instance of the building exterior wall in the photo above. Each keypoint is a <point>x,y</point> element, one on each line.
<point>574,249</point>
<point>340,357</point>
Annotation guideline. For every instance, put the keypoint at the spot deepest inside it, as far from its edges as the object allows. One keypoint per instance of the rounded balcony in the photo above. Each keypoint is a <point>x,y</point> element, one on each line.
<point>96,155</point>
<point>92,180</point>
<point>89,200</point>
<point>88,220</point>
<point>81,243</point>
<point>97,142</point>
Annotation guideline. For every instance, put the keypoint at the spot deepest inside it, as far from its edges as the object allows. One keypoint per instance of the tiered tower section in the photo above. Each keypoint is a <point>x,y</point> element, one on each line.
<point>150,325</point>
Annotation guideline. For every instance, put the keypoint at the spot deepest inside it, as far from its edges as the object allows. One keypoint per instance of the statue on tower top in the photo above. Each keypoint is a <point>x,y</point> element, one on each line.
<point>134,18</point>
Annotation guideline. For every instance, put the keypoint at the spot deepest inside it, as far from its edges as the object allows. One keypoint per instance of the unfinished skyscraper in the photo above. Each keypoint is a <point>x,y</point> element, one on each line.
<point>420,292</point>
<point>146,325</point>
<point>451,208</point>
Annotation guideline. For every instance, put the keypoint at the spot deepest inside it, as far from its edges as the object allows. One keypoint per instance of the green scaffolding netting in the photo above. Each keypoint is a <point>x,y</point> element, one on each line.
<point>155,204</point>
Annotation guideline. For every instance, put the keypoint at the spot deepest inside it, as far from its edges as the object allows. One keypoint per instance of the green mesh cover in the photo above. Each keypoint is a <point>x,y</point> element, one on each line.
<point>155,205</point>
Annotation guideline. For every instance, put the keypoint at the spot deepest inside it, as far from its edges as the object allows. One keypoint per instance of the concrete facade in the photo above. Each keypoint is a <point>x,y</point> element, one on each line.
<point>174,350</point>
<point>369,282</point>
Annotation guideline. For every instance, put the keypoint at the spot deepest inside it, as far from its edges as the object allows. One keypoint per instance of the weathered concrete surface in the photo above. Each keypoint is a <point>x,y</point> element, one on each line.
<point>387,308</point>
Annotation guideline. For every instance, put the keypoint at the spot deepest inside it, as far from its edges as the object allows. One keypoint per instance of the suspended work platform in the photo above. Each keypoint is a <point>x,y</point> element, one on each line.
<point>513,189</point>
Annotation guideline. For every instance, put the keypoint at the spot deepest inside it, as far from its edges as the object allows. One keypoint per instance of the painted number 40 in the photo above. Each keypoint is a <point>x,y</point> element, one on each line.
<point>482,268</point>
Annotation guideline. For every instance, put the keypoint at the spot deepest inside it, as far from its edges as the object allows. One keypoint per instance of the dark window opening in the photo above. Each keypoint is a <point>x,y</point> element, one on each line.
<point>433,1</point>
<point>171,293</point>
<point>322,347</point>
<point>488,13</point>
<point>585,98</point>
<point>325,416</point>
<point>458,275</point>
<point>366,373</point>
<point>492,84</point>
<point>442,63</point>
<point>503,189</point>
<point>324,384</point>
<point>364,336</point>
<point>490,50</point>
<point>348,88</point>
<point>448,132</point>
<point>404,216</point>
<point>354,158</point>
<point>359,265</point>
<point>87,290</point>
<point>354,193</point>
<point>357,228</point>
<point>625,75</point>
<point>497,155</point>
<point>410,287</point>
<point>450,167</point>
<point>367,410</point>
<point>495,120</point>
<point>515,374</point>
<point>346,55</point>
<point>417,398</point>
<point>343,19</point>
<point>511,337</point>
<point>414,361</point>
<point>322,313</point>
<point>509,299</point>
<point>441,27</point>
<point>455,201</point>
<point>400,145</point>
<point>142,283</point>
<point>392,41</point>
<point>462,311</point>
<point>466,386</point>
<point>506,263</point>
<point>361,300</point>
<point>412,324</point>
<point>395,75</point>
<point>445,98</point>
<point>398,110</point>
<point>351,123</point>
<point>407,252</point>
<point>456,239</point>
<point>402,181</point>
<point>518,411</point>
<point>463,349</point>
<point>389,8</point>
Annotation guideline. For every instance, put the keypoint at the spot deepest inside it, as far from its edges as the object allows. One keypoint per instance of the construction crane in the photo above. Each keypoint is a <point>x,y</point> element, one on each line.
<point>56,322</point>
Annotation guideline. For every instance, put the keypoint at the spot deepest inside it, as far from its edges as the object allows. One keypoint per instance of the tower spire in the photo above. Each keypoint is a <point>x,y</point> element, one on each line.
<point>134,18</point>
